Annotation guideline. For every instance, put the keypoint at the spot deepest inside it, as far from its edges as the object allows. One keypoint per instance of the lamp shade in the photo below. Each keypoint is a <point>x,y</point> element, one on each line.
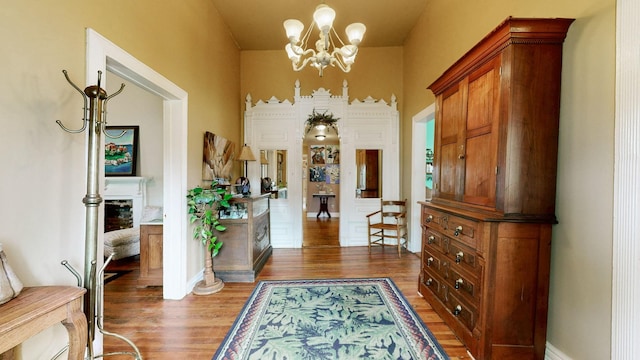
<point>323,16</point>
<point>293,28</point>
<point>246,154</point>
<point>355,33</point>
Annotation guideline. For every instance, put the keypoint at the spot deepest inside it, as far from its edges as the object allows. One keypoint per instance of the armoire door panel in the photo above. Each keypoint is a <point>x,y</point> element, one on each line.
<point>480,174</point>
<point>481,101</point>
<point>482,135</point>
<point>447,171</point>
<point>451,117</point>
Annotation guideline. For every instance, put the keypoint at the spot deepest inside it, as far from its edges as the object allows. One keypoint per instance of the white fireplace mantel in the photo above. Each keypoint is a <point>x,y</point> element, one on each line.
<point>132,188</point>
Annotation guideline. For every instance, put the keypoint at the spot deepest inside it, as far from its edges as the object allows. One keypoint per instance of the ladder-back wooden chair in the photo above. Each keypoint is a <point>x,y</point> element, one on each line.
<point>390,222</point>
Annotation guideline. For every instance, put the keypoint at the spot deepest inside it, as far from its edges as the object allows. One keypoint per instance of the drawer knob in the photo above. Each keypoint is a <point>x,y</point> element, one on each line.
<point>458,230</point>
<point>429,261</point>
<point>459,256</point>
<point>429,281</point>
<point>459,283</point>
<point>429,218</point>
<point>457,310</point>
<point>431,239</point>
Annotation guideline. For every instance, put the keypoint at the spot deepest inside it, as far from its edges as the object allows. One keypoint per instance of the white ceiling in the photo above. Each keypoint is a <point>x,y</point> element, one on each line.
<point>257,24</point>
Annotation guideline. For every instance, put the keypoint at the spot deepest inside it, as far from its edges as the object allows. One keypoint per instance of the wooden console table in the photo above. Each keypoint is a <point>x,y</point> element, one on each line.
<point>37,308</point>
<point>324,200</point>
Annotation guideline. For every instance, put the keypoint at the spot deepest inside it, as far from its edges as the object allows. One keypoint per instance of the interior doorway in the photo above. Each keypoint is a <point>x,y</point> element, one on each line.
<point>103,55</point>
<point>419,165</point>
<point>321,169</point>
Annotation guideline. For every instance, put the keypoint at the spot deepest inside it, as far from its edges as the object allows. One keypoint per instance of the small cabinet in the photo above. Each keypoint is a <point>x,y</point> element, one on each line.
<point>151,239</point>
<point>246,241</point>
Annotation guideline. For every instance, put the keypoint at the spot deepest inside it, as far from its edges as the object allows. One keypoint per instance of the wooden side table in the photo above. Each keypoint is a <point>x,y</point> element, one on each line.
<point>151,239</point>
<point>324,201</point>
<point>37,308</point>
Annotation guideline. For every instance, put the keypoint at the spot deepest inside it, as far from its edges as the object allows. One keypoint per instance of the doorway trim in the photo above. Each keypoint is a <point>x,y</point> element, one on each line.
<point>418,159</point>
<point>103,55</point>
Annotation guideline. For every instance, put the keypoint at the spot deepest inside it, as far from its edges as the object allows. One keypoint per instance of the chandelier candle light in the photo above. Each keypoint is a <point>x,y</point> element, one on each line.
<point>326,52</point>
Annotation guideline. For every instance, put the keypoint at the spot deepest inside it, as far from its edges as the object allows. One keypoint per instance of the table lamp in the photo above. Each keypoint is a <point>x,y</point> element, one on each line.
<point>245,155</point>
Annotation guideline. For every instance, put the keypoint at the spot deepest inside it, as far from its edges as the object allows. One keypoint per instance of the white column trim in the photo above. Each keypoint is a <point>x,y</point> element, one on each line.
<point>625,312</point>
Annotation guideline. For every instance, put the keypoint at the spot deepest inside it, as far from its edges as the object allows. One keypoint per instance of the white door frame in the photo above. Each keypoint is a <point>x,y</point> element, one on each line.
<point>103,55</point>
<point>418,160</point>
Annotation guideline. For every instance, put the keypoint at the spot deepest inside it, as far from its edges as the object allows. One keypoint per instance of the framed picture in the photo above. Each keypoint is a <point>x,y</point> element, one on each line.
<point>317,174</point>
<point>121,150</point>
<point>217,159</point>
<point>317,154</point>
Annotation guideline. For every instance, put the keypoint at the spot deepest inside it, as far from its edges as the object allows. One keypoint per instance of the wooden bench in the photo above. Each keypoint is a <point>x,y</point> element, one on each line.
<point>37,308</point>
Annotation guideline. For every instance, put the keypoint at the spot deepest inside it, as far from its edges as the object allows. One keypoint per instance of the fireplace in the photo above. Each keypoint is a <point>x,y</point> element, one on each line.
<point>118,214</point>
<point>124,200</point>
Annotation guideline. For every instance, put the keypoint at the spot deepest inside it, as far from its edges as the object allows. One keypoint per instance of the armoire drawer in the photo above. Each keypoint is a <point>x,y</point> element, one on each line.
<point>457,227</point>
<point>434,240</point>
<point>432,282</point>
<point>463,230</point>
<point>461,255</point>
<point>434,219</point>
<point>463,312</point>
<point>462,283</point>
<point>431,260</point>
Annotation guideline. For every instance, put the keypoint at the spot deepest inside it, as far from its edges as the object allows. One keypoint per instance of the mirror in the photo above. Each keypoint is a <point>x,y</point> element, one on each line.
<point>369,173</point>
<point>273,173</point>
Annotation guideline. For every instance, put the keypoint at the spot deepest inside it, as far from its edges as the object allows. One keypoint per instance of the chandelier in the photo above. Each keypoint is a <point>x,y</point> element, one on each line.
<point>327,51</point>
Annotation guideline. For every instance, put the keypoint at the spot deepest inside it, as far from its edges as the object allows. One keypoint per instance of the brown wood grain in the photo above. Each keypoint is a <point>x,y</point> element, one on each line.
<point>37,308</point>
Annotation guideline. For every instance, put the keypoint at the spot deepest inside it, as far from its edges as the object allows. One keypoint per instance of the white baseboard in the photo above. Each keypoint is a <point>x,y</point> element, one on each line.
<point>552,353</point>
<point>194,280</point>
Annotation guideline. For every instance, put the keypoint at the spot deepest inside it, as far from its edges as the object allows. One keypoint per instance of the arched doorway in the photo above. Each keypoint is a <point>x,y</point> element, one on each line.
<point>321,186</point>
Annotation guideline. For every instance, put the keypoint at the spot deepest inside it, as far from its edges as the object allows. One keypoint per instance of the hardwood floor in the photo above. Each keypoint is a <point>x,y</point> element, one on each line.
<point>194,327</point>
<point>321,232</point>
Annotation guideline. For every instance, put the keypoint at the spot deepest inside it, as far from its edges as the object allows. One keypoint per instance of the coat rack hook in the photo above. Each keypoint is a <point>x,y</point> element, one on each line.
<point>104,123</point>
<point>84,109</point>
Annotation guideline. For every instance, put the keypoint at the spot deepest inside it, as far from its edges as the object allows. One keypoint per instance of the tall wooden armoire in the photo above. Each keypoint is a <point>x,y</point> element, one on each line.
<point>486,233</point>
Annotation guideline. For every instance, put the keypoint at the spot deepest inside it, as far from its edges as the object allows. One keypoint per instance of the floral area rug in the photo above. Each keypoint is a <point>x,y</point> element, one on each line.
<point>328,319</point>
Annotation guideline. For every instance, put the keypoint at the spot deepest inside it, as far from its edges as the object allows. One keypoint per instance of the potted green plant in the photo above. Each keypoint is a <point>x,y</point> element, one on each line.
<point>203,206</point>
<point>321,119</point>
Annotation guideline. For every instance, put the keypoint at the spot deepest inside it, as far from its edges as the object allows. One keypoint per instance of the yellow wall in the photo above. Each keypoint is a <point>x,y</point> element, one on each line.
<point>377,72</point>
<point>43,167</point>
<point>580,294</point>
